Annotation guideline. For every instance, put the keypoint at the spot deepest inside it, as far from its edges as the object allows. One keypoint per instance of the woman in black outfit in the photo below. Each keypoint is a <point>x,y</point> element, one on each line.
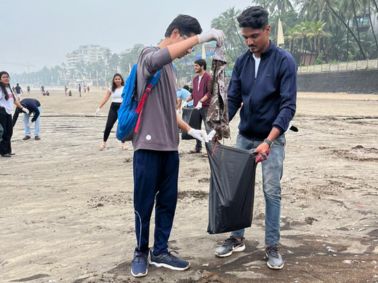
<point>115,93</point>
<point>7,101</point>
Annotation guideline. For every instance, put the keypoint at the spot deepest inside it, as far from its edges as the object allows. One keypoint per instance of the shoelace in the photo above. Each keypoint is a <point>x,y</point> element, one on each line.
<point>272,251</point>
<point>138,257</point>
<point>231,240</point>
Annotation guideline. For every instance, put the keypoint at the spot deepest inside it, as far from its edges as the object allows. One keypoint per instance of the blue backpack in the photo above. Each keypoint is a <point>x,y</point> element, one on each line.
<point>130,111</point>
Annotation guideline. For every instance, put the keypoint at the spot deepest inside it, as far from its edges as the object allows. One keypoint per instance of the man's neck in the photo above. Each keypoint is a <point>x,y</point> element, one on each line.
<point>164,43</point>
<point>201,73</point>
<point>258,55</point>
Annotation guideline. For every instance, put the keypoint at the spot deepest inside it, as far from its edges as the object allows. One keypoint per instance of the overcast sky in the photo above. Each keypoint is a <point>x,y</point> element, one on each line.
<point>41,32</point>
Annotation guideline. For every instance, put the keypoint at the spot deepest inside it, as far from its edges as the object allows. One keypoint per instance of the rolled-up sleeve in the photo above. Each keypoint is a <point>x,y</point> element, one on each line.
<point>155,59</point>
<point>288,93</point>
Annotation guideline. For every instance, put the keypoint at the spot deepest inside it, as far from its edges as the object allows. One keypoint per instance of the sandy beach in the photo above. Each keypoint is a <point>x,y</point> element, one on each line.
<point>66,212</point>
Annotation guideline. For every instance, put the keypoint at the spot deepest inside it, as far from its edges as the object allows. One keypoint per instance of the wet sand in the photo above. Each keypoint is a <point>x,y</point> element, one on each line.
<point>66,211</point>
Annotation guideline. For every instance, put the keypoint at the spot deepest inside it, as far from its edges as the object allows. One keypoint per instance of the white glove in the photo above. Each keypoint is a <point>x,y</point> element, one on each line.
<point>198,134</point>
<point>212,34</point>
<point>199,105</point>
<point>98,111</point>
<point>211,135</point>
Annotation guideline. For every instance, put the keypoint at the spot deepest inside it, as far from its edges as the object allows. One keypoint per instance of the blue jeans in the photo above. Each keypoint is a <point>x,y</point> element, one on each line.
<point>36,124</point>
<point>272,170</point>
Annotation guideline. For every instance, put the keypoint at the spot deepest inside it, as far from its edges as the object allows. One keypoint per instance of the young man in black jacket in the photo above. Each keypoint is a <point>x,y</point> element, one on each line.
<point>34,107</point>
<point>263,85</point>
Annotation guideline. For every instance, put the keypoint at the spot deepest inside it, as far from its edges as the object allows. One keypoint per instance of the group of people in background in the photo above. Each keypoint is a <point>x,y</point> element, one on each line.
<point>68,92</point>
<point>8,100</point>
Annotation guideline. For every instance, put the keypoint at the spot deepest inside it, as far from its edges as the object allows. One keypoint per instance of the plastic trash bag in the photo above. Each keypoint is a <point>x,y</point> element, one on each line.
<point>193,118</point>
<point>232,188</point>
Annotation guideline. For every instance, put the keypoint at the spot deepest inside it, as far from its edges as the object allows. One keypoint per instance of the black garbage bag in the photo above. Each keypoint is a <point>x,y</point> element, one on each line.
<point>193,118</point>
<point>232,188</point>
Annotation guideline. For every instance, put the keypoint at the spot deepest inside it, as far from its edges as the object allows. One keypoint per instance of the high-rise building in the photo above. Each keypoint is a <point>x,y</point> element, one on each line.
<point>87,54</point>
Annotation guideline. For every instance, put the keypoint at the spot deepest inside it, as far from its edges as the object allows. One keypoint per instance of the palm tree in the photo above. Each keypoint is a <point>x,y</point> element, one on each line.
<point>227,22</point>
<point>277,6</point>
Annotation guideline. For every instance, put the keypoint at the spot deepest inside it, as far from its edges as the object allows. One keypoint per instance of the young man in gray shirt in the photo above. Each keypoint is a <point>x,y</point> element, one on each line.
<point>156,158</point>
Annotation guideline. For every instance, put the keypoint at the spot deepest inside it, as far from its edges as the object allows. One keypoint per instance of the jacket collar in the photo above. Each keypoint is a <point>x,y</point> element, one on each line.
<point>269,51</point>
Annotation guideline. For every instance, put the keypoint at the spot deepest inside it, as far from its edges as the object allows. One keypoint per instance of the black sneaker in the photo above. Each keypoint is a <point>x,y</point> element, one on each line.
<point>169,261</point>
<point>26,138</point>
<point>139,264</point>
<point>6,155</point>
<point>37,138</point>
<point>229,246</point>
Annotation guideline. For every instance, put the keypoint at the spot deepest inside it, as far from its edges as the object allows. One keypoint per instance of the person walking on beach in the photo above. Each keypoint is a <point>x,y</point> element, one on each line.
<point>268,104</point>
<point>201,95</point>
<point>115,94</point>
<point>7,100</point>
<point>18,91</point>
<point>156,158</point>
<point>34,107</point>
<point>79,90</point>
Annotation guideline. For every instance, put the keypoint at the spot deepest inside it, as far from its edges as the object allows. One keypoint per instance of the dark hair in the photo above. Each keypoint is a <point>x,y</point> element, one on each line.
<point>113,84</point>
<point>253,17</point>
<point>185,24</point>
<point>4,87</point>
<point>201,62</point>
<point>187,88</point>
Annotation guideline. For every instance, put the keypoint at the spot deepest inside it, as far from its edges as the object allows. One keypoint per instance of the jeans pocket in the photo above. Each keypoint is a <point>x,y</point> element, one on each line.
<point>281,140</point>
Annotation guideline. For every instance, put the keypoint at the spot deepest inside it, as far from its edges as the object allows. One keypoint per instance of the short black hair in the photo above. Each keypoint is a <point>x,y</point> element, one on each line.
<point>201,62</point>
<point>255,17</point>
<point>185,24</point>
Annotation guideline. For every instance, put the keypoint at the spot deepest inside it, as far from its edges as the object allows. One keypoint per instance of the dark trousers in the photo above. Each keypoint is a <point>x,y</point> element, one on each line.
<point>6,123</point>
<point>112,118</point>
<point>155,183</point>
<point>203,114</point>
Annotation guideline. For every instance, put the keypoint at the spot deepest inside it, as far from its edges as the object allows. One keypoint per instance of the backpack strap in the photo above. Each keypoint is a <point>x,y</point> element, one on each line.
<point>153,82</point>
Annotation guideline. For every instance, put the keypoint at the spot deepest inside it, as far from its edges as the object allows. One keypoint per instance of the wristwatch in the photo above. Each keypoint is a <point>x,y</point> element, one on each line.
<point>268,142</point>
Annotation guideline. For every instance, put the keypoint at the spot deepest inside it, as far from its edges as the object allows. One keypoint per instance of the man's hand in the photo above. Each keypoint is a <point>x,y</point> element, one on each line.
<point>262,152</point>
<point>198,134</point>
<point>26,111</point>
<point>199,105</point>
<point>212,34</point>
<point>98,111</point>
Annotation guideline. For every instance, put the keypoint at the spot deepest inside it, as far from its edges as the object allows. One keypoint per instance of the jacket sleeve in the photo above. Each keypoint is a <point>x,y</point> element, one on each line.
<point>288,93</point>
<point>36,115</point>
<point>234,97</point>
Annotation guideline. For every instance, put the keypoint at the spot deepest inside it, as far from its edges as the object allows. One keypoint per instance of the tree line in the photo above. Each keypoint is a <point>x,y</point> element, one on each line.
<point>315,32</point>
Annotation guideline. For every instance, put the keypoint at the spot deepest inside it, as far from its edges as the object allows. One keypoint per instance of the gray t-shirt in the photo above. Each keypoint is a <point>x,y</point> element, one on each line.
<point>158,129</point>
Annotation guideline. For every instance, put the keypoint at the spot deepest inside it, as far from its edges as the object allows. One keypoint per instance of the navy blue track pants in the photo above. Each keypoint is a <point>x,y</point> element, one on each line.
<point>155,183</point>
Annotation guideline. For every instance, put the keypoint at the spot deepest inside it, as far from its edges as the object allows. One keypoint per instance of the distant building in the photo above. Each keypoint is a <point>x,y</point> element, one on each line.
<point>86,54</point>
<point>363,22</point>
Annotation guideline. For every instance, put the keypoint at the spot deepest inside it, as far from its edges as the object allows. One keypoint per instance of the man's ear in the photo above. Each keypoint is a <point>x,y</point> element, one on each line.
<point>175,33</point>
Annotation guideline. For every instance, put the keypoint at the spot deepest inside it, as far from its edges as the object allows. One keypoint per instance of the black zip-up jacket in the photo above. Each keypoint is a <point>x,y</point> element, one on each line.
<point>269,100</point>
